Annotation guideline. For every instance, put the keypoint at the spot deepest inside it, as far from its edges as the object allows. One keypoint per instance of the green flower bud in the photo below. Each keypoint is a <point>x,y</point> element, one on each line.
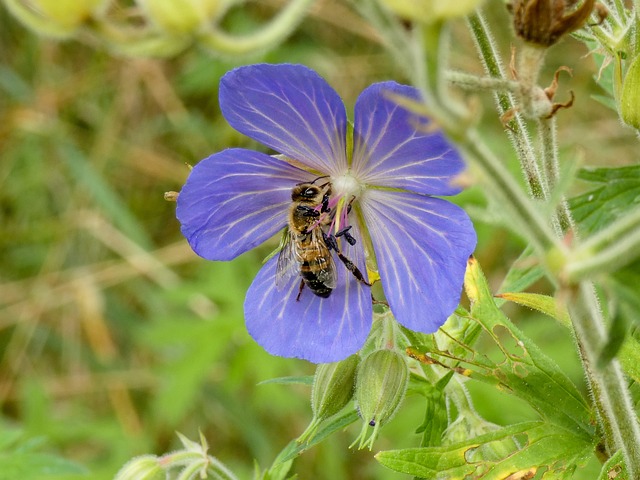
<point>183,16</point>
<point>57,18</point>
<point>332,390</point>
<point>429,11</point>
<point>144,467</point>
<point>382,381</point>
<point>630,98</point>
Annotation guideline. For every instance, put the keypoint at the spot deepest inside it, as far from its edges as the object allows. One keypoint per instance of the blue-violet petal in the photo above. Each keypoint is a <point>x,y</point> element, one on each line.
<point>234,200</point>
<point>422,245</point>
<point>320,330</point>
<point>396,148</point>
<point>289,108</point>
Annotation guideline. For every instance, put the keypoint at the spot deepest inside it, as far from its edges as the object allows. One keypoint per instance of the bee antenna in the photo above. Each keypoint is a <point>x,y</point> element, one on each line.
<point>313,181</point>
<point>324,176</point>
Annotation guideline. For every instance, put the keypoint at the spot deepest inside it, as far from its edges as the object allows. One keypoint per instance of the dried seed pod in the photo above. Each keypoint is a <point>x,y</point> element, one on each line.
<point>543,22</point>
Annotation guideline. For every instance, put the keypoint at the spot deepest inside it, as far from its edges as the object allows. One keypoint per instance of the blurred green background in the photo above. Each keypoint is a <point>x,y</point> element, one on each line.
<point>113,333</point>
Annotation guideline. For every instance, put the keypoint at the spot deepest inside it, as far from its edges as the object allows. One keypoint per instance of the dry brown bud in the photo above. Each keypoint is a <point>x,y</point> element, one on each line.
<point>543,22</point>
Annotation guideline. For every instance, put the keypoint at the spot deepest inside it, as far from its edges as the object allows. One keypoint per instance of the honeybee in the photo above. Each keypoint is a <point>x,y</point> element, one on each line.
<point>307,248</point>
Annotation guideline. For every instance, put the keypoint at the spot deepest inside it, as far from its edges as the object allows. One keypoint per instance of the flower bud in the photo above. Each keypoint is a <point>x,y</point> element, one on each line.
<point>543,22</point>
<point>630,98</point>
<point>144,467</point>
<point>333,386</point>
<point>383,378</point>
<point>332,390</point>
<point>183,16</point>
<point>58,18</point>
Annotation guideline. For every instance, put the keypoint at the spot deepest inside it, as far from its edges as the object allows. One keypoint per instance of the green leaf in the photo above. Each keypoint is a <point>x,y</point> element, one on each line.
<point>303,380</point>
<point>543,446</point>
<point>524,371</point>
<point>525,271</point>
<point>36,466</point>
<point>542,303</point>
<point>435,416</point>
<point>626,347</point>
<point>616,191</point>
<point>327,428</point>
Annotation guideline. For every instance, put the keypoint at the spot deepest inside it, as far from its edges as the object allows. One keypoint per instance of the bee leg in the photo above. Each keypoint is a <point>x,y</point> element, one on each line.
<point>308,211</point>
<point>300,290</point>
<point>325,204</point>
<point>332,244</point>
<point>352,268</point>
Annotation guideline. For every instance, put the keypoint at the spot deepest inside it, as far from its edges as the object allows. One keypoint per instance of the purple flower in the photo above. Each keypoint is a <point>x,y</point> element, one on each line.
<point>382,179</point>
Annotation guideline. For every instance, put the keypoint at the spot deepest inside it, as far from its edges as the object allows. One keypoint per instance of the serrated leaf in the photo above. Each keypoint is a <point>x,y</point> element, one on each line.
<point>435,417</point>
<point>525,371</point>
<point>618,190</point>
<point>543,446</point>
<point>626,347</point>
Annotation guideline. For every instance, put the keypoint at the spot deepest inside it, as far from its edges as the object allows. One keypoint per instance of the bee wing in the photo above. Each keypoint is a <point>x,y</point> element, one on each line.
<point>326,266</point>
<point>288,263</point>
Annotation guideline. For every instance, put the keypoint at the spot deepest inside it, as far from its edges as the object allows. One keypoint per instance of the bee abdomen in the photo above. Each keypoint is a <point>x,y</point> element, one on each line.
<point>311,280</point>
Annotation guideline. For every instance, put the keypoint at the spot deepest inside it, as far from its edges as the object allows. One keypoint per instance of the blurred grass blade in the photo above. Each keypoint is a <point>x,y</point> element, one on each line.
<point>103,194</point>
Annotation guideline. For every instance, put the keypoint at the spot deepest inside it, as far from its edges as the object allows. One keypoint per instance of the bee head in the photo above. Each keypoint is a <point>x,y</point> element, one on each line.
<point>306,192</point>
<point>309,192</point>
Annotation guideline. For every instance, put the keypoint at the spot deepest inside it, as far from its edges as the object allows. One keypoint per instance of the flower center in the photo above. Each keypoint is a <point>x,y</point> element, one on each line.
<point>334,212</point>
<point>346,186</point>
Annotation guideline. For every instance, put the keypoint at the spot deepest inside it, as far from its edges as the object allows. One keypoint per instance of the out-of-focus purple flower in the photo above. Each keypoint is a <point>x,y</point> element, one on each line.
<point>236,199</point>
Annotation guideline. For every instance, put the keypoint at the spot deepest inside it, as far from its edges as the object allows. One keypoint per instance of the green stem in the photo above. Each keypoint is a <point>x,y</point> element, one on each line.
<point>219,469</point>
<point>615,408</point>
<point>277,30</point>
<point>517,131</point>
<point>616,414</point>
<point>499,183</point>
<point>607,250</point>
<point>470,82</point>
<point>562,220</point>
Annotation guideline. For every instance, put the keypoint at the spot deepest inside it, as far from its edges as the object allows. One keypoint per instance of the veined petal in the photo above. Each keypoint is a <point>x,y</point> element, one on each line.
<point>235,200</point>
<point>289,108</point>
<point>316,329</point>
<point>422,245</point>
<point>394,148</point>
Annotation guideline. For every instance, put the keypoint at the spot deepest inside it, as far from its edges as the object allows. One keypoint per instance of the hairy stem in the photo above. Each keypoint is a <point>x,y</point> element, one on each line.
<point>616,413</point>
<point>608,383</point>
<point>517,131</point>
<point>562,219</point>
<point>607,250</point>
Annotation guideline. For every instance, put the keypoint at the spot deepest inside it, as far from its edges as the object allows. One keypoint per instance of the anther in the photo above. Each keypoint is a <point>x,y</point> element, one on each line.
<point>330,241</point>
<point>347,236</point>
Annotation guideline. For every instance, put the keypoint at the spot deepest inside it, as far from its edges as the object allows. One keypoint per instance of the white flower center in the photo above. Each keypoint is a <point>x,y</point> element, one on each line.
<point>346,186</point>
